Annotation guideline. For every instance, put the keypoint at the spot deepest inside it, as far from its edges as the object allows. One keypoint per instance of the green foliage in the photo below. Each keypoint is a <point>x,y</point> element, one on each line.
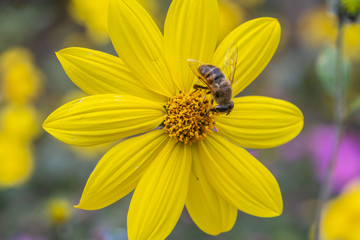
<point>351,6</point>
<point>20,23</point>
<point>326,71</point>
<point>354,106</point>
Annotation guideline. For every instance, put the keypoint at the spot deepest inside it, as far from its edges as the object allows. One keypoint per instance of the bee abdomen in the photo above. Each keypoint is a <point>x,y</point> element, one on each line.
<point>211,73</point>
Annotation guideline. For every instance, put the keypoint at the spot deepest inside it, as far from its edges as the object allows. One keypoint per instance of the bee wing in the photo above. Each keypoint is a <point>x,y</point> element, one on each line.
<point>230,62</point>
<point>194,66</point>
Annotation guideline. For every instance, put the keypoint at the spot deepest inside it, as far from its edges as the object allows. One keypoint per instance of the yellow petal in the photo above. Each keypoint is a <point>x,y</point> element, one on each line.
<point>160,195</point>
<point>211,213</point>
<point>96,72</point>
<point>261,122</point>
<point>239,178</point>
<point>191,31</point>
<point>257,41</point>
<point>121,168</point>
<point>103,118</point>
<point>139,43</point>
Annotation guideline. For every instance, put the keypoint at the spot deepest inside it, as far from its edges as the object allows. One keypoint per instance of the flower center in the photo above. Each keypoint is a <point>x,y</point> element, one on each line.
<point>189,117</point>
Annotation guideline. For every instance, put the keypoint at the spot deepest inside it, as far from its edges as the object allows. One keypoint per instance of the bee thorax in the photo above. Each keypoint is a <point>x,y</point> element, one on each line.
<point>224,95</point>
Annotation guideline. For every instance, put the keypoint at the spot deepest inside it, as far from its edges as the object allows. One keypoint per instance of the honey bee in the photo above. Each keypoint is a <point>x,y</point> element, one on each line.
<point>218,84</point>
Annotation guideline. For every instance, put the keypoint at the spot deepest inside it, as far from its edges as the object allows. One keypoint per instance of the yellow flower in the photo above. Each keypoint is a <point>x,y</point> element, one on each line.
<point>93,15</point>
<point>16,162</point>
<point>20,78</point>
<point>351,43</point>
<point>58,210</point>
<point>318,27</point>
<point>150,85</point>
<point>341,217</point>
<point>19,122</point>
<point>231,15</point>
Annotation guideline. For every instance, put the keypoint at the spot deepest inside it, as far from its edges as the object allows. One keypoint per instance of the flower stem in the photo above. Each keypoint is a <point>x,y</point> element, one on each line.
<point>339,119</point>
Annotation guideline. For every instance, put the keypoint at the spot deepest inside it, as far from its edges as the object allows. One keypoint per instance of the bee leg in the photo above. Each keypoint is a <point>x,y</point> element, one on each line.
<point>222,108</point>
<point>196,87</point>
<point>204,98</point>
<point>202,101</point>
<point>211,104</point>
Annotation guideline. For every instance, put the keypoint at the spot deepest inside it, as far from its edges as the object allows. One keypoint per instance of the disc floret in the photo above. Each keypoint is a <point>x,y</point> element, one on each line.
<point>189,117</point>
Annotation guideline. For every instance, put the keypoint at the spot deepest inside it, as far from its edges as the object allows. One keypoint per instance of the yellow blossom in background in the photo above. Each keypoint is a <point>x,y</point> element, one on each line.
<point>93,15</point>
<point>20,77</point>
<point>341,217</point>
<point>16,162</point>
<point>231,15</point>
<point>351,41</point>
<point>318,27</point>
<point>15,55</point>
<point>147,94</point>
<point>58,210</point>
<point>20,122</point>
<point>19,126</point>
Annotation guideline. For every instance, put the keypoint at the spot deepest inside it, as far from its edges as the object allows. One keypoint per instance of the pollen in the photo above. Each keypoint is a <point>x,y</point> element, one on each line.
<point>189,118</point>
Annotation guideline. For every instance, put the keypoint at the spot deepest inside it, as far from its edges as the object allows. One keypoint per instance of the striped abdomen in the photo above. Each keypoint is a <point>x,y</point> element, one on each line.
<point>212,74</point>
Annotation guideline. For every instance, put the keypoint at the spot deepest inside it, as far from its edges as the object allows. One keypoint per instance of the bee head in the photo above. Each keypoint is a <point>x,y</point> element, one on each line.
<point>230,107</point>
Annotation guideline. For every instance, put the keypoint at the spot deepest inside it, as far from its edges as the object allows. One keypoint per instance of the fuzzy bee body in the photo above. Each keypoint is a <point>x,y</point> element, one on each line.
<point>211,73</point>
<point>219,84</point>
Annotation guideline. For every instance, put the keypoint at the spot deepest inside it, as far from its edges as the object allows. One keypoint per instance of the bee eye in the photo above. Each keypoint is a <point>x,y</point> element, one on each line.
<point>231,105</point>
<point>222,108</point>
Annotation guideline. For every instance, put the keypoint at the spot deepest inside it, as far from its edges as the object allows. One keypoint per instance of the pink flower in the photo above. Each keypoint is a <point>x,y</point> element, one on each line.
<point>348,162</point>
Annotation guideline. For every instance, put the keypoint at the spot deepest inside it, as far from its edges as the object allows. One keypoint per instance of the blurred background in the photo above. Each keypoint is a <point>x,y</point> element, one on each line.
<point>42,178</point>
